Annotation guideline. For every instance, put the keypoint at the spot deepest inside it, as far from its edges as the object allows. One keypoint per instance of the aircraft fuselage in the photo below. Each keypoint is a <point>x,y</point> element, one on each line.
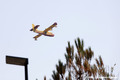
<point>43,33</point>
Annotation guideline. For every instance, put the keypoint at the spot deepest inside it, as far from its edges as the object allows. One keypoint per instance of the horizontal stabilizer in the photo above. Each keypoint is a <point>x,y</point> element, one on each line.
<point>35,27</point>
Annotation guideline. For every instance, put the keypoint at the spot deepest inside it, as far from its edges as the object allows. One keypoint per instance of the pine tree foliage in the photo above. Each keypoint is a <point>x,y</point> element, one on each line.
<point>60,71</point>
<point>78,65</point>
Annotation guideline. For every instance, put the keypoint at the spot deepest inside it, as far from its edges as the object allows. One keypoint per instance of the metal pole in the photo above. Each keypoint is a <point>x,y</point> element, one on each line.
<point>26,72</point>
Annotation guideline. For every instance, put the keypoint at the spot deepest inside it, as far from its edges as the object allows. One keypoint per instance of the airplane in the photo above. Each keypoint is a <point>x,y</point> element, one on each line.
<point>45,32</point>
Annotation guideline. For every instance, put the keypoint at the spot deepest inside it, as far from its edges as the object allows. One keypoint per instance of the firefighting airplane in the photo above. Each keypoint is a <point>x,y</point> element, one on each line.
<point>45,32</point>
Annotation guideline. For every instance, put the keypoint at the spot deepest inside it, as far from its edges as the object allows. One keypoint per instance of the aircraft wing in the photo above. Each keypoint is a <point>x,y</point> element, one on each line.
<point>50,28</point>
<point>37,36</point>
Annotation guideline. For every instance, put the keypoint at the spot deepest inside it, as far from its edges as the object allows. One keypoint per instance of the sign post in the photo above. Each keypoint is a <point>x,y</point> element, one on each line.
<point>18,61</point>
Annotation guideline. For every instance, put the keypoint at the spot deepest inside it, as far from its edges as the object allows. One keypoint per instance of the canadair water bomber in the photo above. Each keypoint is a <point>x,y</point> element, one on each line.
<point>45,32</point>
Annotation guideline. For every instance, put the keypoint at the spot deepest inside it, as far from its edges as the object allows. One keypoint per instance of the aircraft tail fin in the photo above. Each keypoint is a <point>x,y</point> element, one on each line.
<point>32,27</point>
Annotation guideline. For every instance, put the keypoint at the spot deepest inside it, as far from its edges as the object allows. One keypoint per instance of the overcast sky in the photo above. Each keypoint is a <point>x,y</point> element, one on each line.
<point>97,22</point>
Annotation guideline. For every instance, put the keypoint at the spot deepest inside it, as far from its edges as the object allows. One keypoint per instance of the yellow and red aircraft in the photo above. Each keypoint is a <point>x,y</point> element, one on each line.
<point>45,32</point>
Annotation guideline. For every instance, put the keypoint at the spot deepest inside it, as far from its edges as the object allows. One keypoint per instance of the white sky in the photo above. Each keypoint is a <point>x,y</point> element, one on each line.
<point>97,22</point>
